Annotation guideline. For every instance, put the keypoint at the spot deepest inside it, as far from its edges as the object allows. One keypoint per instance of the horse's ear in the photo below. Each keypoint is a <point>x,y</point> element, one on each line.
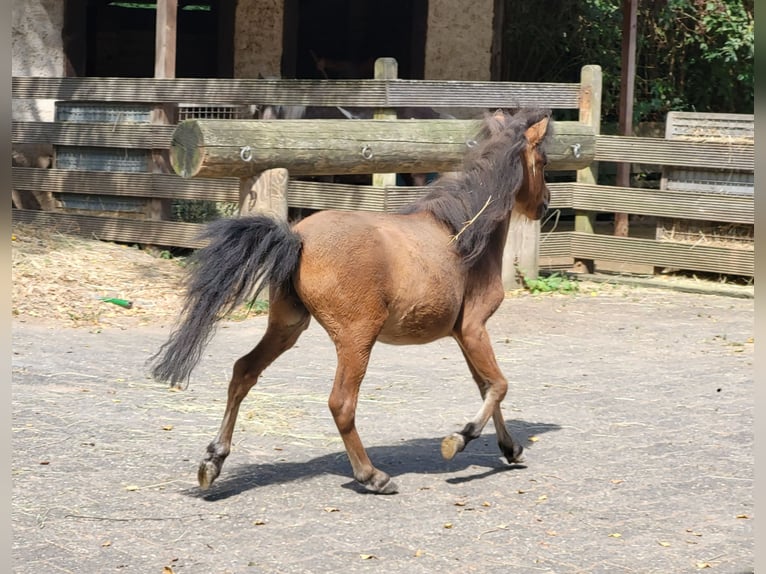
<point>496,122</point>
<point>536,133</point>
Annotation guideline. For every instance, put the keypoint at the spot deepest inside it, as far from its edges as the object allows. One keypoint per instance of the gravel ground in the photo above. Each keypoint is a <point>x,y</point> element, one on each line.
<point>635,406</point>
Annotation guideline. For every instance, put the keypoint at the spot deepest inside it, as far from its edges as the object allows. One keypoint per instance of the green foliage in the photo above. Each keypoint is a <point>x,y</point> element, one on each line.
<point>190,211</point>
<point>693,55</point>
<point>257,306</point>
<point>554,283</point>
<point>700,57</point>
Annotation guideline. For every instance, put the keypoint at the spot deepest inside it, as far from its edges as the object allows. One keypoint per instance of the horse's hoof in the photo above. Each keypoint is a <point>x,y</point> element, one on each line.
<point>380,484</point>
<point>513,455</point>
<point>207,472</point>
<point>389,487</point>
<point>517,459</point>
<point>452,445</point>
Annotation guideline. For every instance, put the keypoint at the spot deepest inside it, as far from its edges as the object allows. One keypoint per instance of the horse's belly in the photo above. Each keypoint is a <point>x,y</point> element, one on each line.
<point>419,323</point>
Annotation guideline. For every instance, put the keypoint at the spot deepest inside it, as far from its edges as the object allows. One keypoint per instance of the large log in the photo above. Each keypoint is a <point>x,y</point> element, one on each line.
<point>243,148</point>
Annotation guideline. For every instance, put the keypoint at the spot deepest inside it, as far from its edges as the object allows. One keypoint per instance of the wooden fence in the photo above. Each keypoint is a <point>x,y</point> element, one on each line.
<point>582,195</point>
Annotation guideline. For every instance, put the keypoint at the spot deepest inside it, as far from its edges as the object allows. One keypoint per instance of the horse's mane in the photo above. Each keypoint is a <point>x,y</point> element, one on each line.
<point>483,193</point>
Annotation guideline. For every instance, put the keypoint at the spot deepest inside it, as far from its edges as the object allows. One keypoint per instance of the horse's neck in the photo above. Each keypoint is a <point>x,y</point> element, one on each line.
<point>496,246</point>
<point>491,264</point>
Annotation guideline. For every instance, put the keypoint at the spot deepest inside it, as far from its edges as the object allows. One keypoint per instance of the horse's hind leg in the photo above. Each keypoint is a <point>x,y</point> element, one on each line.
<point>493,386</point>
<point>353,356</point>
<point>288,318</point>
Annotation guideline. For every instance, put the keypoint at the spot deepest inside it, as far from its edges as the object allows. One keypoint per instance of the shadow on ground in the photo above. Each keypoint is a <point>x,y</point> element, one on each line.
<point>422,456</point>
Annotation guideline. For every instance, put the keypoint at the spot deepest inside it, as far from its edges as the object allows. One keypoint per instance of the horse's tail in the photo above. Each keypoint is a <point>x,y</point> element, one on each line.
<point>243,256</point>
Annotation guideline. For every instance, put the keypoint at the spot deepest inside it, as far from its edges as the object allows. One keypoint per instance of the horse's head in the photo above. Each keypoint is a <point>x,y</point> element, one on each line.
<point>533,196</point>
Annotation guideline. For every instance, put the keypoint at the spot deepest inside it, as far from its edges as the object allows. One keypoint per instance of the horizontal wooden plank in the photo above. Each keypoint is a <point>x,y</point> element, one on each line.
<point>711,259</point>
<point>160,233</point>
<point>141,136</point>
<point>714,155</point>
<point>304,194</point>
<point>555,245</point>
<point>561,195</point>
<point>731,261</point>
<point>657,202</point>
<point>295,92</point>
<point>710,126</point>
<point>326,195</point>
<point>150,185</point>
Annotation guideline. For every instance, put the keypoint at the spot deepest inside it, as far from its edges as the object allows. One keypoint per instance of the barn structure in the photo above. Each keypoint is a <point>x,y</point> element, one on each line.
<point>146,57</point>
<point>430,39</point>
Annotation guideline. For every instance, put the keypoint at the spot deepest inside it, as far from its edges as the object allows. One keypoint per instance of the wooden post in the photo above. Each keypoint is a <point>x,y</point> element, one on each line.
<point>496,56</point>
<point>522,251</point>
<point>165,39</point>
<point>385,69</point>
<point>627,83</point>
<point>590,114</point>
<point>266,193</point>
<point>164,67</point>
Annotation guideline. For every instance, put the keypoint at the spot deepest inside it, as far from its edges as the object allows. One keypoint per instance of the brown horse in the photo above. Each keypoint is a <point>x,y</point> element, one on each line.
<point>430,271</point>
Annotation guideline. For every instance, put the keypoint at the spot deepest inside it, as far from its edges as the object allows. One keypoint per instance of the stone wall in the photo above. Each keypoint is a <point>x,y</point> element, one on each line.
<point>459,41</point>
<point>258,38</point>
<point>37,50</point>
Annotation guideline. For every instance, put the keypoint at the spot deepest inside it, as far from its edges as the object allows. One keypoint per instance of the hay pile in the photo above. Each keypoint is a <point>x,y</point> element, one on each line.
<point>61,278</point>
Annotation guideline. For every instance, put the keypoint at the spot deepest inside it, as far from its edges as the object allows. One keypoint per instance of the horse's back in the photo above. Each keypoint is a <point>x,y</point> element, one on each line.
<point>396,272</point>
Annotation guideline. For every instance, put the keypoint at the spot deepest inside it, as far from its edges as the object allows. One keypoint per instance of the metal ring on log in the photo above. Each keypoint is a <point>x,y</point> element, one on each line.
<point>246,153</point>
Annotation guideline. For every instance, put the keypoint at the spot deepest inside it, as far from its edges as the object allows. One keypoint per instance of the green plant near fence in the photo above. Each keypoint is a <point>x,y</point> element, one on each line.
<point>189,211</point>
<point>553,283</point>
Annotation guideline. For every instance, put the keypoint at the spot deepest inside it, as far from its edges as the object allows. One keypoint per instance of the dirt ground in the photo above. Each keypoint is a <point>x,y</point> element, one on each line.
<point>635,406</point>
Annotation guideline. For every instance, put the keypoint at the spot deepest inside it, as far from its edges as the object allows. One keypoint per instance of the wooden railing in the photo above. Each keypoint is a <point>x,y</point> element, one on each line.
<point>378,94</point>
<point>582,196</point>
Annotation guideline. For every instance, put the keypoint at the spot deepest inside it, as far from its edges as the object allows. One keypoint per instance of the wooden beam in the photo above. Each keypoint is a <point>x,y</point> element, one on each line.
<point>496,55</point>
<point>724,260</point>
<point>138,136</point>
<point>385,69</point>
<point>125,184</point>
<point>730,208</point>
<point>243,148</point>
<point>738,156</point>
<point>165,39</point>
<point>266,193</point>
<point>522,251</point>
<point>591,81</point>
<point>165,233</point>
<point>691,205</point>
<point>693,256</point>
<point>304,92</point>
<point>164,112</point>
<point>627,83</point>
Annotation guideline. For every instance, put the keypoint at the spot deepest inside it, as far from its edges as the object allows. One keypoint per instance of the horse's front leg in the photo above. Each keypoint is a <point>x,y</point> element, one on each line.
<point>352,365</point>
<point>493,386</point>
<point>287,321</point>
<point>510,448</point>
